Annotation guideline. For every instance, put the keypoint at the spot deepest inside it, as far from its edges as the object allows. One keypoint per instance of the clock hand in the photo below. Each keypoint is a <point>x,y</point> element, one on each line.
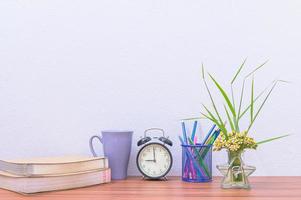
<point>154,152</point>
<point>150,160</point>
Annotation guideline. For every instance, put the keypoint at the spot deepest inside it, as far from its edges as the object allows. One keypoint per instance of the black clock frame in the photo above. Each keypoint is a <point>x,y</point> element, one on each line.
<point>158,177</point>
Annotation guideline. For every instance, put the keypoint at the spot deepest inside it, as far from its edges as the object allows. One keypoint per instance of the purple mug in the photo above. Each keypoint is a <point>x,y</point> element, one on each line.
<point>117,148</point>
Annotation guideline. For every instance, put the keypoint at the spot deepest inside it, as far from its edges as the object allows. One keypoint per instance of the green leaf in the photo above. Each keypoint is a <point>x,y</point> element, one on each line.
<point>220,125</point>
<point>257,68</point>
<point>283,81</point>
<point>238,71</point>
<point>261,106</point>
<point>235,121</point>
<point>207,117</point>
<point>203,73</point>
<point>252,100</point>
<point>229,119</point>
<point>257,97</point>
<point>271,139</point>
<point>213,104</point>
<point>191,119</point>
<point>232,95</point>
<point>222,91</point>
<point>241,98</point>
<point>242,92</point>
<point>211,116</point>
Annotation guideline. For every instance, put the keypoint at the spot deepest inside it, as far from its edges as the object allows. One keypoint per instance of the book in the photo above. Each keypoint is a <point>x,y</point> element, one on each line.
<point>54,165</point>
<point>28,185</point>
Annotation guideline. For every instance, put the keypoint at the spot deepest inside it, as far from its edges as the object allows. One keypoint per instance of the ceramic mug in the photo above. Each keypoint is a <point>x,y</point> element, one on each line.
<point>117,148</point>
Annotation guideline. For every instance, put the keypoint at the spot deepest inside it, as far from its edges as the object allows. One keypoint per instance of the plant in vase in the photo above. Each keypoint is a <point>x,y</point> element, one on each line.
<point>237,140</point>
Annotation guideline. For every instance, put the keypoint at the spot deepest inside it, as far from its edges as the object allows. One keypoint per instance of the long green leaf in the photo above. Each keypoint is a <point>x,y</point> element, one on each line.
<point>191,118</point>
<point>242,92</point>
<point>212,120</point>
<point>240,101</point>
<point>252,100</point>
<point>256,98</point>
<point>220,125</point>
<point>212,101</point>
<point>236,124</point>
<point>238,71</point>
<point>232,93</point>
<point>224,94</point>
<point>283,81</point>
<point>235,121</point>
<point>257,68</point>
<point>211,98</point>
<point>260,108</point>
<point>212,117</point>
<point>229,119</point>
<point>271,139</point>
<point>203,73</point>
<point>207,117</point>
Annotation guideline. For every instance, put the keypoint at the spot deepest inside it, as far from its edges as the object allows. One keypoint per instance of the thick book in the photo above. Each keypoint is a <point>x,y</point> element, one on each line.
<point>29,185</point>
<point>54,165</point>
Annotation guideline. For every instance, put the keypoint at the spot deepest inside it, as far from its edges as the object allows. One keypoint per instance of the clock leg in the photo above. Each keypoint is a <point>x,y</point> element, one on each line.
<point>165,178</point>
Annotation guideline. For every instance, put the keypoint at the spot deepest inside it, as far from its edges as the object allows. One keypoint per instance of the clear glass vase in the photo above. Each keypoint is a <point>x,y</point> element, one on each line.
<point>235,172</point>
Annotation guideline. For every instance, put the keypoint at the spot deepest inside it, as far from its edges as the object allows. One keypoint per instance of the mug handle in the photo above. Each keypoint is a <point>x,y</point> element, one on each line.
<point>91,144</point>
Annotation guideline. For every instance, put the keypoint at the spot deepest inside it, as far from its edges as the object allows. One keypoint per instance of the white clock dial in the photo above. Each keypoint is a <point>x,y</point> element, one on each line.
<point>154,160</point>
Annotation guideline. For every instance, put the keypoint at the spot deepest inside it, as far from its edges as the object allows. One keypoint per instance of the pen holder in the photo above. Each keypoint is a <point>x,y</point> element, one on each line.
<point>197,163</point>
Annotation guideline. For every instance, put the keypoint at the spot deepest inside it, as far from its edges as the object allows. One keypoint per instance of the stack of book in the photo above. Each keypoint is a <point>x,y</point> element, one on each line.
<point>48,174</point>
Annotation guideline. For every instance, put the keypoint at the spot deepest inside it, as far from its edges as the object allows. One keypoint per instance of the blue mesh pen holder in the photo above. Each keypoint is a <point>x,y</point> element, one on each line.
<point>196,163</point>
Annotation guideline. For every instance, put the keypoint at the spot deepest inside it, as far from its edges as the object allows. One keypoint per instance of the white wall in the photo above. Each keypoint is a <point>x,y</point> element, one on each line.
<point>72,68</point>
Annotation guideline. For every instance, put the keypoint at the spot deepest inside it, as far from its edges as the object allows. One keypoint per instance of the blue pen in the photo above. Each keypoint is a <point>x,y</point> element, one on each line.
<point>184,133</point>
<point>195,124</point>
<point>208,134</point>
<point>211,141</point>
<point>213,137</point>
<point>191,158</point>
<point>217,134</point>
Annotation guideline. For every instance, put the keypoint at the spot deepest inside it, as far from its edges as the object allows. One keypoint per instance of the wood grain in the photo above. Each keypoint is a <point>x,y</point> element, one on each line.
<point>263,188</point>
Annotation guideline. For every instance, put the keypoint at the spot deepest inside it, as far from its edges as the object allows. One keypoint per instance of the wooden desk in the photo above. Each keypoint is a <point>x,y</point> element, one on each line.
<point>265,188</point>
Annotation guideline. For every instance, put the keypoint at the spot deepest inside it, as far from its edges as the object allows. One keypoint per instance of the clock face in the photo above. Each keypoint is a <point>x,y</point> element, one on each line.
<point>154,160</point>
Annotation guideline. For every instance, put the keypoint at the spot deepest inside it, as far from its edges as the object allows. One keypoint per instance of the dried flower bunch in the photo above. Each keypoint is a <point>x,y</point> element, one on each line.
<point>235,142</point>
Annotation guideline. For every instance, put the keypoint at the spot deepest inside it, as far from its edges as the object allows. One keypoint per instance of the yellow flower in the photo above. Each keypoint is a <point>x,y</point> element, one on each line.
<point>234,142</point>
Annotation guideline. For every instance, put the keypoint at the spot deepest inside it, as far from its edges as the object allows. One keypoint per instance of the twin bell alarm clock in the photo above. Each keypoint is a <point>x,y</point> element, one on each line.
<point>154,159</point>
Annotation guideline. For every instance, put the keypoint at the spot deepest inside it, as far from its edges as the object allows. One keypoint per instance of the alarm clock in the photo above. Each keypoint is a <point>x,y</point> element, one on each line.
<point>154,159</point>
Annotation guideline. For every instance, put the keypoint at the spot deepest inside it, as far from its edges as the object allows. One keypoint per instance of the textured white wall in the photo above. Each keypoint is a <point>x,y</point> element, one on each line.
<point>71,68</point>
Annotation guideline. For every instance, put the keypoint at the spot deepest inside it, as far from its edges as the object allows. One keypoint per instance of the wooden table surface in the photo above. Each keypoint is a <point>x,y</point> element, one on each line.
<point>265,188</point>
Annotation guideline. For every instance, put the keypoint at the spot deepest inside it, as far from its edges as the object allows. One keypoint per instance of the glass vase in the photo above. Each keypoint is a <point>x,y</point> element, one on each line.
<point>235,172</point>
